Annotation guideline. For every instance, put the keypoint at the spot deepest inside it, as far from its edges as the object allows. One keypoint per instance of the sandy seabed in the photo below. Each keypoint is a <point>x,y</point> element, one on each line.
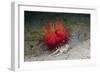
<point>77,51</point>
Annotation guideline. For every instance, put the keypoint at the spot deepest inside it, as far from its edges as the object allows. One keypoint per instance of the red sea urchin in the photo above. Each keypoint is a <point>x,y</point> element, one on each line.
<point>55,35</point>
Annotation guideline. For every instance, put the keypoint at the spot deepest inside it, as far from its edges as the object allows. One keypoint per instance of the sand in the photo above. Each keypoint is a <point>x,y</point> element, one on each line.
<point>77,50</point>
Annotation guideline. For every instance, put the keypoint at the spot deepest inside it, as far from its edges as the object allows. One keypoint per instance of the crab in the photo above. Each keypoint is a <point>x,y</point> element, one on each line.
<point>56,37</point>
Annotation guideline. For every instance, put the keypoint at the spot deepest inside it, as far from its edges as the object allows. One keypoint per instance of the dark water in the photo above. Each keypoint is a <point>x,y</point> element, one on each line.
<point>38,19</point>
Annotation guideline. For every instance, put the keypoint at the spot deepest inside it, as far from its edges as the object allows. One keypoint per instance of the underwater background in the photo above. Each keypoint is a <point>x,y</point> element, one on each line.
<point>79,25</point>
